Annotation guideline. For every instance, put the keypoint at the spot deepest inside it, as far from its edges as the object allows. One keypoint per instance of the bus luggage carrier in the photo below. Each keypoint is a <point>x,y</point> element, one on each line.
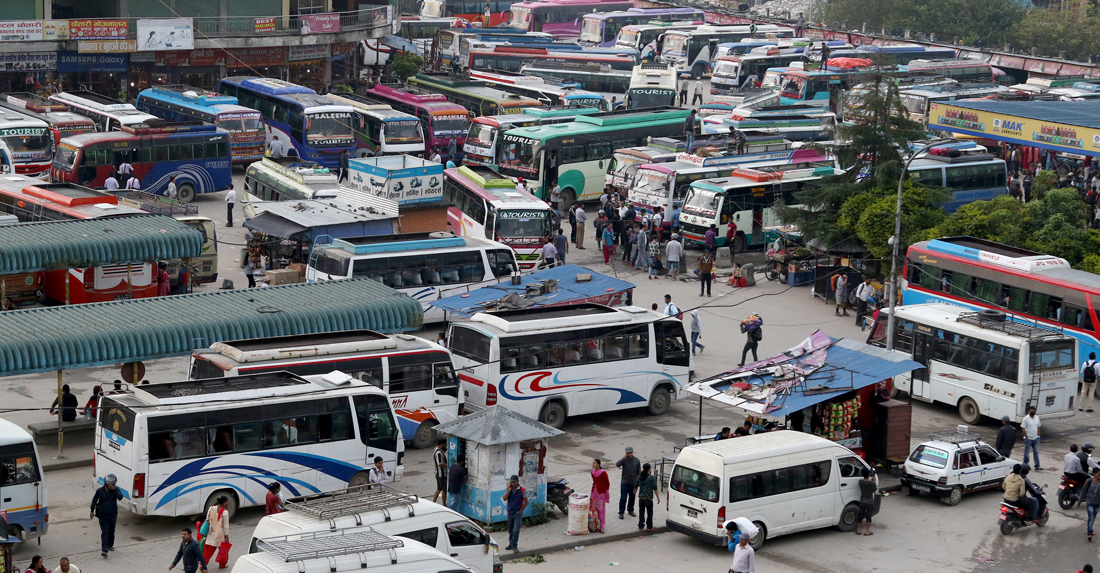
<point>328,545</point>
<point>354,501</point>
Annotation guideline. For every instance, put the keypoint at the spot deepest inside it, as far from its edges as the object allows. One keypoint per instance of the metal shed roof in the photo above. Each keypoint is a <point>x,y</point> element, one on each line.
<point>496,425</point>
<point>1079,113</point>
<point>27,247</point>
<point>79,336</point>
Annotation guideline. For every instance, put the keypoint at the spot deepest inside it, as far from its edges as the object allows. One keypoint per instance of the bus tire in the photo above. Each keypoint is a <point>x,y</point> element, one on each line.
<point>568,197</point>
<point>185,193</point>
<point>757,541</point>
<point>739,243</point>
<point>698,70</point>
<point>553,415</point>
<point>425,435</point>
<point>230,508</point>
<point>359,479</point>
<point>969,411</point>
<point>659,401</point>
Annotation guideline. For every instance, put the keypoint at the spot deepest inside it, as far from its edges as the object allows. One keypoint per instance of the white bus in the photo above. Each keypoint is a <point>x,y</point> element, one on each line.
<point>692,50</point>
<point>175,447</point>
<point>984,363</point>
<point>385,130</point>
<point>651,85</point>
<point>415,373</point>
<point>425,266</point>
<point>552,362</point>
<point>268,180</point>
<point>108,114</point>
<point>30,140</point>
<point>22,483</point>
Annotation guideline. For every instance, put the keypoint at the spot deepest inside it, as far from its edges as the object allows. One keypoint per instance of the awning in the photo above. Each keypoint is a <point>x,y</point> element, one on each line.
<point>819,369</point>
<point>400,43</point>
<point>274,225</point>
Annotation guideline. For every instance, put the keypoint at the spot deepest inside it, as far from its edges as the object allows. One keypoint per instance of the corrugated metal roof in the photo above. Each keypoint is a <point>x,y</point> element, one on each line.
<point>497,425</point>
<point>569,290</point>
<point>78,336</point>
<point>324,212</point>
<point>27,247</point>
<point>1080,113</point>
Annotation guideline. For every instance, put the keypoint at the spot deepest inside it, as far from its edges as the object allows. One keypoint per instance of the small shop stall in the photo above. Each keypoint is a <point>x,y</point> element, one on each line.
<point>836,388</point>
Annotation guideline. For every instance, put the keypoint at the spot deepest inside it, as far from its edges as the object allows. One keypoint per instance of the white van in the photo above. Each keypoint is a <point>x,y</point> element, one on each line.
<point>361,549</point>
<point>22,487</point>
<point>388,511</point>
<point>783,482</point>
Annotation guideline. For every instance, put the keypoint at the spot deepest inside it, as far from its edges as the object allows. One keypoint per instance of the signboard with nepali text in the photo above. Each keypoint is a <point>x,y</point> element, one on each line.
<point>308,52</point>
<point>20,30</point>
<point>106,46</point>
<point>99,29</point>
<point>1016,129</point>
<point>233,57</point>
<point>28,61</point>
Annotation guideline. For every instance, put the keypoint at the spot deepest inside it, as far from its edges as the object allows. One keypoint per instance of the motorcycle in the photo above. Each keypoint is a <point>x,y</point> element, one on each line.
<point>1014,517</point>
<point>1069,492</point>
<point>558,492</point>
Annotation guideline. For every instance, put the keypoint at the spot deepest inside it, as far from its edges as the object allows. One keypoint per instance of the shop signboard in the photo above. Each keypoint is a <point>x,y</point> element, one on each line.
<point>106,46</point>
<point>76,62</point>
<point>164,34</point>
<point>233,57</point>
<point>309,52</point>
<point>28,61</point>
<point>320,23</point>
<point>55,30</point>
<point>99,29</point>
<point>256,57</point>
<point>402,178</point>
<point>20,30</point>
<point>1015,129</point>
<point>264,24</point>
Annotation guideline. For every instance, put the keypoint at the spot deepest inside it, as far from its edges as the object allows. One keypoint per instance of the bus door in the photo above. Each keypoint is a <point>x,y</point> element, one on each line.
<point>923,349</point>
<point>672,346</point>
<point>22,488</point>
<point>445,384</point>
<point>377,430</point>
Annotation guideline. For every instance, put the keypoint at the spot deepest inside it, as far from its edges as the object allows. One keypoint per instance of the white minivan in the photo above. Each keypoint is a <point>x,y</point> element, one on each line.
<point>363,549</point>
<point>783,482</point>
<point>387,511</point>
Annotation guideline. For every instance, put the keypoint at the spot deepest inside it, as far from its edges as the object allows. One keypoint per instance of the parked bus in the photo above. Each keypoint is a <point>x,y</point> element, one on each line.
<point>624,163</point>
<point>441,120</point>
<point>918,100</point>
<point>416,374</point>
<point>562,18</point>
<point>499,10</point>
<point>549,93</point>
<point>691,51</point>
<point>268,180</point>
<point>514,58</point>
<point>790,122</point>
<point>602,29</point>
<point>189,104</point>
<point>195,154</point>
<point>896,55</point>
<point>62,121</point>
<point>30,141</point>
<point>421,31</point>
<point>455,44</point>
<point>174,445</point>
<point>746,200</point>
<point>958,69</point>
<point>969,178</point>
<point>385,130</point>
<point>986,365</point>
<point>474,96</point>
<point>484,204</point>
<point>1026,285</point>
<point>589,75</point>
<point>108,114</point>
<point>25,501</point>
<point>202,269</point>
<point>731,73</point>
<point>548,363</point>
<point>649,38</point>
<point>314,127</point>
<point>575,154</point>
<point>481,141</point>
<point>651,85</point>
<point>826,87</point>
<point>421,265</point>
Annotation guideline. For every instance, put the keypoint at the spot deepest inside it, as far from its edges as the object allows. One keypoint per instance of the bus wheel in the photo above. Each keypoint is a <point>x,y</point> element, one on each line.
<point>739,244</point>
<point>359,479</point>
<point>757,541</point>
<point>211,501</point>
<point>553,415</point>
<point>968,410</point>
<point>659,401</point>
<point>425,435</point>
<point>568,198</point>
<point>185,193</point>
<point>698,71</point>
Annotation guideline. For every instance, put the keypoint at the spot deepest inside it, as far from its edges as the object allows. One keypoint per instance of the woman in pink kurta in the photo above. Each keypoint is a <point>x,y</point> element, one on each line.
<point>601,492</point>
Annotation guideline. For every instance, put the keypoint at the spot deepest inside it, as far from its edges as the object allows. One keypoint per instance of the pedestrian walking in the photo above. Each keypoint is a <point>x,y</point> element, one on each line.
<point>111,183</point>
<point>744,558</point>
<point>674,218</point>
<point>683,92</point>
<point>64,566</point>
<point>170,192</point>
<point>133,183</point>
<point>275,148</point>
<point>562,246</point>
<point>710,239</point>
<point>581,218</point>
<point>645,487</point>
<point>555,196</point>
<point>654,256</point>
<point>249,272</point>
<point>1006,438</point>
<point>608,242</point>
<point>674,250</point>
<point>755,333</point>
<point>600,494</point>
<point>696,331</point>
<point>69,403</point>
<point>377,476</point>
<point>641,248</point>
<point>452,148</point>
<point>573,223</point>
<point>343,167</point>
<point>697,99</point>
<point>230,202</point>
<point>456,476</point>
<point>840,288</point>
<point>217,530</point>
<point>689,130</point>
<point>1090,496</point>
<point>272,502</point>
<point>515,500</point>
<point>705,266</point>
<point>867,489</point>
<point>1030,425</point>
<point>550,252</point>
<point>1088,383</point>
<point>863,292</point>
<point>105,507</point>
<point>632,468</point>
<point>38,565</point>
<point>190,553</point>
<point>439,458</point>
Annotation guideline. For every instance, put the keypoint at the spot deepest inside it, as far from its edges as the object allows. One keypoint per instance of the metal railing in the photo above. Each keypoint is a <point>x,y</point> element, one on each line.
<point>365,19</point>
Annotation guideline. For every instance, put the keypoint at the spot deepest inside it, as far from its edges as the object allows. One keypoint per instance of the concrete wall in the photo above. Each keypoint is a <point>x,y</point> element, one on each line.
<point>255,8</point>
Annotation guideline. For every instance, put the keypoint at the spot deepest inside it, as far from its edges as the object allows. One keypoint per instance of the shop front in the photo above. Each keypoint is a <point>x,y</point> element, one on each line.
<point>26,71</point>
<point>204,68</point>
<point>102,73</point>
<point>309,66</point>
<point>264,62</point>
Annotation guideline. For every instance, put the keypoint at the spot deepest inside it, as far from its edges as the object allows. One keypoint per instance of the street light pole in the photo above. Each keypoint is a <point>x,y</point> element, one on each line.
<point>895,242</point>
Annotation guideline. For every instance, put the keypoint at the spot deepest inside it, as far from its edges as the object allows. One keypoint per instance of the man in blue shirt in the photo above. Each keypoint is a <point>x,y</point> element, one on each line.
<point>676,217</point>
<point>191,554</point>
<point>516,501</point>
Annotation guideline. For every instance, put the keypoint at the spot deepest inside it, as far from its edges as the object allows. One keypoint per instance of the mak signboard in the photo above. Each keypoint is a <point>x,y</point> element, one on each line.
<point>1015,129</point>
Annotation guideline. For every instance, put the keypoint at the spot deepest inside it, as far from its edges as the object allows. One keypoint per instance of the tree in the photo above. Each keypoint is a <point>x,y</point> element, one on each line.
<point>974,22</point>
<point>406,65</point>
<point>1053,32</point>
<point>870,216</point>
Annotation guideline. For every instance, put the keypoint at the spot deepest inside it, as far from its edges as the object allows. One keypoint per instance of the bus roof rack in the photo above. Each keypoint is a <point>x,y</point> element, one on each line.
<point>954,437</point>
<point>325,544</point>
<point>1009,324</point>
<point>355,500</point>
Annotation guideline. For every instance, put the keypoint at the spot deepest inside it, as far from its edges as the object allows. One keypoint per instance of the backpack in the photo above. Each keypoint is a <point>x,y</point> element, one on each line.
<point>757,334</point>
<point>1089,372</point>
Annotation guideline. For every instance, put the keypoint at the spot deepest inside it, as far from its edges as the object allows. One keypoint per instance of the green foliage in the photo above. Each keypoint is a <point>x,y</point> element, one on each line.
<point>534,559</point>
<point>406,65</point>
<point>1051,32</point>
<point>870,216</point>
<point>1042,182</point>
<point>342,89</point>
<point>977,22</point>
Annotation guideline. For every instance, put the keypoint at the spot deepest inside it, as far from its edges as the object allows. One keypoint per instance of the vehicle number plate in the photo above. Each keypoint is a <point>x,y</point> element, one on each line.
<point>693,514</point>
<point>123,297</point>
<point>920,487</point>
<point>1061,486</point>
<point>1002,517</point>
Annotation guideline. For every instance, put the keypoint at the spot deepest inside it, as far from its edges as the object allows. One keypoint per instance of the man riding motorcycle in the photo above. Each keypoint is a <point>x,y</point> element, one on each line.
<point>1035,493</point>
<point>1016,490</point>
<point>1087,463</point>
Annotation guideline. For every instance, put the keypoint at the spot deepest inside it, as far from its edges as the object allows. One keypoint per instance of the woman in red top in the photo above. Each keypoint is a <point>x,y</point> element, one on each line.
<point>601,493</point>
<point>93,403</point>
<point>273,501</point>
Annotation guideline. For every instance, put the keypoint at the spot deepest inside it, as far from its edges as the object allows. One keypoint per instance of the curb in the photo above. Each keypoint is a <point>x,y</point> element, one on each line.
<point>66,465</point>
<point>601,539</point>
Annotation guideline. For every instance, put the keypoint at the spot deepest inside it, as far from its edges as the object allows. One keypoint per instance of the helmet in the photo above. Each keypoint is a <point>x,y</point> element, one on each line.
<point>110,479</point>
<point>1087,448</point>
<point>1024,469</point>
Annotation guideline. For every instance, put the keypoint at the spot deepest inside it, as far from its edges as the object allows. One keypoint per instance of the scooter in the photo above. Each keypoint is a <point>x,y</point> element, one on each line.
<point>1069,492</point>
<point>558,492</point>
<point>1014,517</point>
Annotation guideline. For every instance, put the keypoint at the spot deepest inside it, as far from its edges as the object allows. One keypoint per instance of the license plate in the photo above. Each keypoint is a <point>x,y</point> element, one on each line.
<point>693,514</point>
<point>123,297</point>
<point>1003,517</point>
<point>919,487</point>
<point>1060,486</point>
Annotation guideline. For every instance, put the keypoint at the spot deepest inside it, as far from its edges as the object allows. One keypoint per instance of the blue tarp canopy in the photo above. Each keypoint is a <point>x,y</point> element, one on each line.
<point>819,369</point>
<point>601,289</point>
<point>400,43</point>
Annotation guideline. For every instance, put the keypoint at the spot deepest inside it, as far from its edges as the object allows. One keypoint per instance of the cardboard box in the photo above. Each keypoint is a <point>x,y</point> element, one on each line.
<point>283,277</point>
<point>300,267</point>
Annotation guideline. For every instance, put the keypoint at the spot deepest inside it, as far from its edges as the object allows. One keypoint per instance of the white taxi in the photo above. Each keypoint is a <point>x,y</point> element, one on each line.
<point>951,464</point>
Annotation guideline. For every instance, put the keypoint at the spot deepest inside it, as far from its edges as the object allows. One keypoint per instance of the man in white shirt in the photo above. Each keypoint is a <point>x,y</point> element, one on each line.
<point>171,191</point>
<point>555,196</point>
<point>436,158</point>
<point>670,308</point>
<point>863,293</point>
<point>1030,425</point>
<point>377,475</point>
<point>744,557</point>
<point>276,148</point>
<point>674,250</point>
<point>581,217</point>
<point>111,183</point>
<point>549,253</point>
<point>134,182</point>
<point>698,97</point>
<point>1089,370</point>
<point>230,201</point>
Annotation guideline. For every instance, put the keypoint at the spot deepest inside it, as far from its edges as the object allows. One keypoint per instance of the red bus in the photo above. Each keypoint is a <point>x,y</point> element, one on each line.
<point>33,201</point>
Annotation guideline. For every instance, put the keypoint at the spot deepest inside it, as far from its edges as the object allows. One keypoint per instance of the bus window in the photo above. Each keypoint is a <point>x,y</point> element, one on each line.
<point>17,464</point>
<point>334,421</point>
<point>376,425</point>
<point>671,343</point>
<point>445,381</point>
<point>409,373</point>
<point>503,262</point>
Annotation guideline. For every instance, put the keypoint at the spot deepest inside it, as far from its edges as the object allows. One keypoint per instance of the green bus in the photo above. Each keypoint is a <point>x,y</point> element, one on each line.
<point>576,153</point>
<point>475,96</point>
<point>267,180</point>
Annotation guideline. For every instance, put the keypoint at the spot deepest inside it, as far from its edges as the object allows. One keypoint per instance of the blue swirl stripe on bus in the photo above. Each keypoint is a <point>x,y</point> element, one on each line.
<point>424,293</point>
<point>184,173</point>
<point>189,487</point>
<point>625,396</point>
<point>337,469</point>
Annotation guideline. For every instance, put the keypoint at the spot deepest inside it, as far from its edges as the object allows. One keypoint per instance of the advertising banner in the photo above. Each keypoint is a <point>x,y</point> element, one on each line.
<point>165,34</point>
<point>265,24</point>
<point>233,57</point>
<point>1016,129</point>
<point>320,23</point>
<point>75,62</point>
<point>20,30</point>
<point>55,30</point>
<point>106,46</point>
<point>28,61</point>
<point>401,178</point>
<point>99,29</point>
<point>310,52</point>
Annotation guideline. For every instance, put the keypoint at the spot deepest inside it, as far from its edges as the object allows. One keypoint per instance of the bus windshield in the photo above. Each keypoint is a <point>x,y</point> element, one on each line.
<point>517,223</point>
<point>591,30</point>
<point>792,87</point>
<point>627,38</point>
<point>648,97</point>
<point>520,154</point>
<point>329,129</point>
<point>66,156</point>
<point>27,142</point>
<point>441,124</point>
<point>651,181</point>
<point>676,44</point>
<point>403,131</point>
<point>241,121</point>
<point>481,134</point>
<point>702,202</point>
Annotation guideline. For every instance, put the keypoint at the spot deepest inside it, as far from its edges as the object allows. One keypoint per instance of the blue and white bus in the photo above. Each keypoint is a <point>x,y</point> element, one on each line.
<point>22,483</point>
<point>186,103</point>
<point>314,127</point>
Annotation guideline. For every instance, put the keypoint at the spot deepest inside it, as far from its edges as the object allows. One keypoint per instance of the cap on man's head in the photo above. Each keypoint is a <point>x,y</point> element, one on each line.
<point>629,450</point>
<point>514,479</point>
<point>1005,419</point>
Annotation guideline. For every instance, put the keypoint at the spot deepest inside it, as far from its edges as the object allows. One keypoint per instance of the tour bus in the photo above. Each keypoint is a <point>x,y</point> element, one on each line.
<point>416,374</point>
<point>481,141</point>
<point>549,92</point>
<point>484,204</point>
<point>425,266</point>
<point>385,130</point>
<point>347,552</point>
<point>589,75</point>
<point>186,103</point>
<point>513,58</point>
<point>790,122</point>
<point>732,72</point>
<point>202,269</point>
<point>441,120</point>
<point>649,38</point>
<point>624,163</point>
<point>958,69</point>
<point>800,85</point>
<point>984,363</point>
<point>176,447</point>
<point>784,482</point>
<point>896,55</point>
<point>602,29</point>
<point>1026,285</point>
<point>197,155</point>
<point>575,154</point>
<point>548,363</point>
<point>30,141</point>
<point>691,51</point>
<point>968,177</point>
<point>421,31</point>
<point>455,44</point>
<point>268,180</point>
<point>651,85</point>
<point>108,114</point>
<point>918,100</point>
<point>562,18</point>
<point>474,96</point>
<point>746,200</point>
<point>314,127</point>
<point>22,484</point>
<point>499,10</point>
<point>62,121</point>
<point>665,185</point>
